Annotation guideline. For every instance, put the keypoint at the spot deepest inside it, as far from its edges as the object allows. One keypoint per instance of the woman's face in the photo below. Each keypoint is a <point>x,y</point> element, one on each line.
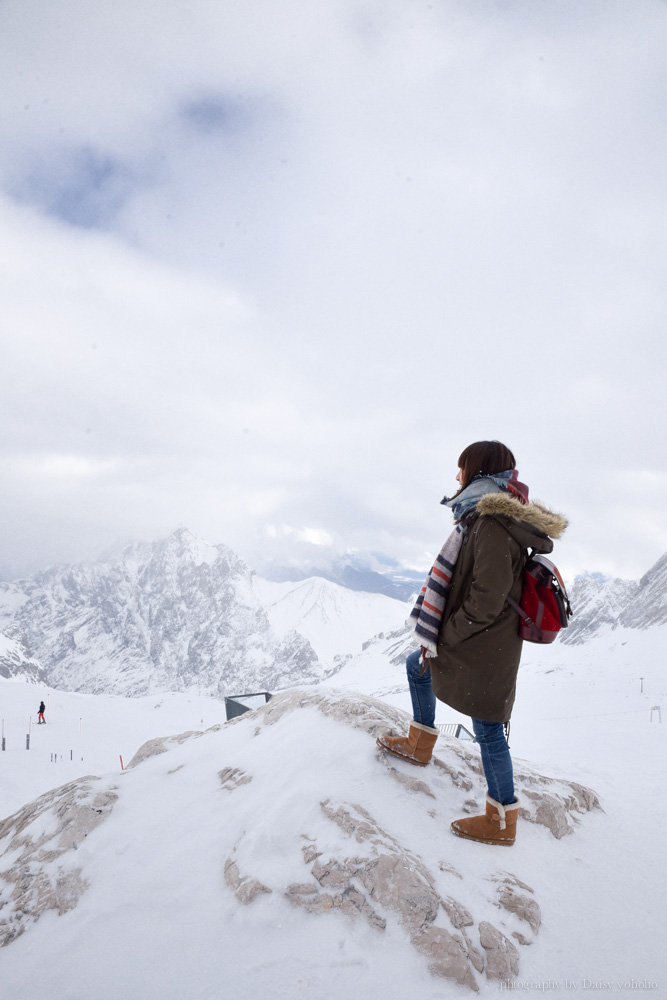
<point>459,477</point>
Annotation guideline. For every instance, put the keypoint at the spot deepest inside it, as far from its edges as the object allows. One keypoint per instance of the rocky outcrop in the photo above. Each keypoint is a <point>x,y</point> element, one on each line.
<point>551,802</point>
<point>502,957</point>
<point>40,842</point>
<point>245,888</point>
<point>381,880</point>
<point>233,794</point>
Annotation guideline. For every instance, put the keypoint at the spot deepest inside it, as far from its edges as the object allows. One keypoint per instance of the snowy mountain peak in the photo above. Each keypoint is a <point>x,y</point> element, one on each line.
<point>162,616</point>
<point>599,603</point>
<point>185,544</point>
<point>180,547</point>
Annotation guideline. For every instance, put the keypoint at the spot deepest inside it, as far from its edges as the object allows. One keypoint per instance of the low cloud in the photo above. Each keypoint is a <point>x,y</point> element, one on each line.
<point>279,266</point>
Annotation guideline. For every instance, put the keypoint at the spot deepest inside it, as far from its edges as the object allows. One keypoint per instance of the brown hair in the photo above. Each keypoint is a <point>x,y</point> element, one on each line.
<point>484,458</point>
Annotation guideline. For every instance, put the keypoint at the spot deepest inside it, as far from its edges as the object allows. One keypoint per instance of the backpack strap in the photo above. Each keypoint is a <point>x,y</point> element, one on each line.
<point>535,630</point>
<point>526,619</point>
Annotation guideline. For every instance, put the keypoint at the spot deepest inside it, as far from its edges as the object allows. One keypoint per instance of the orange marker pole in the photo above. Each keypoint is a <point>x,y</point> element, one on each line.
<point>121,762</point>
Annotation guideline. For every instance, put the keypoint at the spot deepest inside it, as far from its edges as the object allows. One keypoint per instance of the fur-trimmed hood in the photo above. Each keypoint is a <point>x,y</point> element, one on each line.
<point>531,515</point>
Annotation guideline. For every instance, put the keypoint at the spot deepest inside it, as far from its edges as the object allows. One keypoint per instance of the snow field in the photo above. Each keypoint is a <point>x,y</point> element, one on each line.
<point>158,920</point>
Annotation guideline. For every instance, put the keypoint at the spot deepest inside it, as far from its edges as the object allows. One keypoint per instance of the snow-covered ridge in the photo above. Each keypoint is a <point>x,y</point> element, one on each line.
<point>295,799</point>
<point>336,866</point>
<point>179,614</point>
<point>599,604</point>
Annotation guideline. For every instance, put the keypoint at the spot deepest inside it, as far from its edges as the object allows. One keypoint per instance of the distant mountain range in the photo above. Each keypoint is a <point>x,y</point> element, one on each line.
<point>600,604</point>
<point>181,614</point>
<point>178,614</point>
<point>354,576</point>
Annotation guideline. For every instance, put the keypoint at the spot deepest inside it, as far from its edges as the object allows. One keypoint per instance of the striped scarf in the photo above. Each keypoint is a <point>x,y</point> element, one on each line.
<point>426,616</point>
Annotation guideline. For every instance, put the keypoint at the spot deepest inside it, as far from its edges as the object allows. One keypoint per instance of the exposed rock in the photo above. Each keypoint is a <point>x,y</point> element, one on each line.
<point>407,780</point>
<point>33,883</point>
<point>233,777</point>
<point>307,896</point>
<point>334,874</point>
<point>474,954</point>
<point>509,879</point>
<point>362,826</point>
<point>502,959</point>
<point>457,913</point>
<point>245,888</point>
<point>445,866</point>
<point>301,890</point>
<point>394,879</point>
<point>556,809</point>
<point>524,907</point>
<point>161,744</point>
<point>355,866</point>
<point>447,956</point>
<point>349,901</point>
<point>310,852</point>
<point>583,799</point>
<point>550,812</point>
<point>459,778</point>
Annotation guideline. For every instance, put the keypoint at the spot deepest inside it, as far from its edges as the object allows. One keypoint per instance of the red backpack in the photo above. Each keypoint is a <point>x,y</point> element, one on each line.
<point>545,606</point>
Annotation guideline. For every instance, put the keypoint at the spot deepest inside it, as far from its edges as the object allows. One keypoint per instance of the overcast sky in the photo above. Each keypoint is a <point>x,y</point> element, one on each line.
<point>268,266</point>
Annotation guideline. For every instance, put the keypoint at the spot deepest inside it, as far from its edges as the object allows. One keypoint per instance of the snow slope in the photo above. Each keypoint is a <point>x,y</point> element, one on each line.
<point>163,917</point>
<point>84,734</point>
<point>210,860</point>
<point>335,621</point>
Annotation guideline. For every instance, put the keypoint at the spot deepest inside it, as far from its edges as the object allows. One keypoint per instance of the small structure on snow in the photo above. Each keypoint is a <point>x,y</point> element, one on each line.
<point>240,703</point>
<point>456,730</point>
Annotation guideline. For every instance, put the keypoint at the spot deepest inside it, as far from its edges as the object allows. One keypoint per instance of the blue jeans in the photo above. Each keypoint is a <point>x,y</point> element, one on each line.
<point>496,759</point>
<point>421,692</point>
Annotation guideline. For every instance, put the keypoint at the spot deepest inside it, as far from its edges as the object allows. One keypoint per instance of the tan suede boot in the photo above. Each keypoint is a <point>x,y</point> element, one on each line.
<point>498,826</point>
<point>417,746</point>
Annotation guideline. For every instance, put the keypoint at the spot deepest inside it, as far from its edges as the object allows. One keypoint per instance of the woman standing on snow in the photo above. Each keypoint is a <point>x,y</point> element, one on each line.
<point>469,634</point>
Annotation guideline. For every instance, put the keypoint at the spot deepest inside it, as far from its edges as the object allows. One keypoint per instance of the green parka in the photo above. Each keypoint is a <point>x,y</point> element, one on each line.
<point>479,646</point>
